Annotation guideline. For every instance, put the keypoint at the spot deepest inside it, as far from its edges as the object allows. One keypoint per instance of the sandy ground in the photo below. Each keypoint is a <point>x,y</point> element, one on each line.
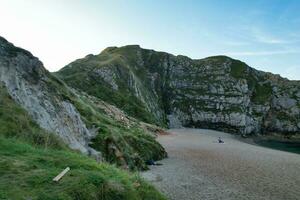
<point>200,168</point>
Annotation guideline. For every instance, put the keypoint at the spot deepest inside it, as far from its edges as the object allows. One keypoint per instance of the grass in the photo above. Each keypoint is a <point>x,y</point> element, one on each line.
<point>123,62</point>
<point>286,116</point>
<point>123,98</point>
<point>135,145</point>
<point>27,172</point>
<point>158,76</point>
<point>16,123</point>
<point>31,157</point>
<point>111,132</point>
<point>262,93</point>
<point>125,139</point>
<point>238,69</point>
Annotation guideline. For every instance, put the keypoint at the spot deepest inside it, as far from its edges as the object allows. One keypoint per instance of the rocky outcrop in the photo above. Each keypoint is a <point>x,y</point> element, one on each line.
<point>216,92</point>
<point>35,89</point>
<point>82,121</point>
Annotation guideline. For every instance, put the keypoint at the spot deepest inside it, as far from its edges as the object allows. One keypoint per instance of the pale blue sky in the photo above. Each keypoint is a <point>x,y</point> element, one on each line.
<point>263,33</point>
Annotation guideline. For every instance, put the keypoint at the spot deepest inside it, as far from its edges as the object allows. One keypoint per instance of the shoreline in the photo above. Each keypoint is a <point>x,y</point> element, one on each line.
<point>275,143</point>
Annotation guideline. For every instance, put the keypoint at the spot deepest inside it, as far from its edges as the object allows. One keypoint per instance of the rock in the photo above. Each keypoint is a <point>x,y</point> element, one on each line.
<point>108,76</point>
<point>284,102</point>
<point>174,122</point>
<point>31,85</point>
<point>216,92</point>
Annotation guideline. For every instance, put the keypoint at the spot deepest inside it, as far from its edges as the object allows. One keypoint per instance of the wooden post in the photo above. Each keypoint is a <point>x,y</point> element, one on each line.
<point>59,176</point>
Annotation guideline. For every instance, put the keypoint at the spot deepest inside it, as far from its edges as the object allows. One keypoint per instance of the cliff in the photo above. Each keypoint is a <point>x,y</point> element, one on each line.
<point>215,92</point>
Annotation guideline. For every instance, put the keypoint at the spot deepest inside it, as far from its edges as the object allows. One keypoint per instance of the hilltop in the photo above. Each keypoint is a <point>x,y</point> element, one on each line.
<point>217,92</point>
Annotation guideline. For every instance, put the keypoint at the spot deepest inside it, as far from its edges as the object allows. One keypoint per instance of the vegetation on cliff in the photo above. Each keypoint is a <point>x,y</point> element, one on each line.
<point>122,141</point>
<point>216,92</point>
<point>33,101</point>
<point>30,158</point>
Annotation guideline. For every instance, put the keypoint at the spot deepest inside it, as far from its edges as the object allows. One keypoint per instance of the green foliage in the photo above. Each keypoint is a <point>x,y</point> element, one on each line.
<point>124,64</point>
<point>262,93</point>
<point>135,145</point>
<point>285,116</point>
<point>238,69</point>
<point>58,88</point>
<point>112,132</point>
<point>123,98</point>
<point>27,172</point>
<point>30,158</point>
<point>15,122</point>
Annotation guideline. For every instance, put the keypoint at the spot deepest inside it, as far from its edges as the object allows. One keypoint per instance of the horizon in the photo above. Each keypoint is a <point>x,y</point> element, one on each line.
<point>265,34</point>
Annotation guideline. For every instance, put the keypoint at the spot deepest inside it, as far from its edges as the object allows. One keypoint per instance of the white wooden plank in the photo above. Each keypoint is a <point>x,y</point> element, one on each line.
<point>59,176</point>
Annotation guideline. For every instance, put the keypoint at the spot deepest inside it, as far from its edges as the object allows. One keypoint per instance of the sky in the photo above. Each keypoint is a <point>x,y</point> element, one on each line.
<point>263,33</point>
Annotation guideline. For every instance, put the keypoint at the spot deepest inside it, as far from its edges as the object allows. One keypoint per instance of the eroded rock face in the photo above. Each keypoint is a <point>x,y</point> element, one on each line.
<point>30,85</point>
<point>108,75</point>
<point>216,92</point>
<point>222,93</point>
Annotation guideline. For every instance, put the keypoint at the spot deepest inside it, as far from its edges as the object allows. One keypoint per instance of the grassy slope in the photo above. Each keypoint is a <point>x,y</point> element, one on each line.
<point>123,99</point>
<point>134,144</point>
<point>30,158</point>
<point>27,172</point>
<point>124,62</point>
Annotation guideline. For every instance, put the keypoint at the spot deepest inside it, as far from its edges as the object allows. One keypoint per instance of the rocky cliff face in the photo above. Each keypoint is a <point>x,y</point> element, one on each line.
<point>36,90</point>
<point>83,122</point>
<point>226,94</point>
<point>216,92</point>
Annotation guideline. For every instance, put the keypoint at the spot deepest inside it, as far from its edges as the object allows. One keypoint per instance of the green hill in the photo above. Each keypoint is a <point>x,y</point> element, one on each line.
<point>45,127</point>
<point>173,91</point>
